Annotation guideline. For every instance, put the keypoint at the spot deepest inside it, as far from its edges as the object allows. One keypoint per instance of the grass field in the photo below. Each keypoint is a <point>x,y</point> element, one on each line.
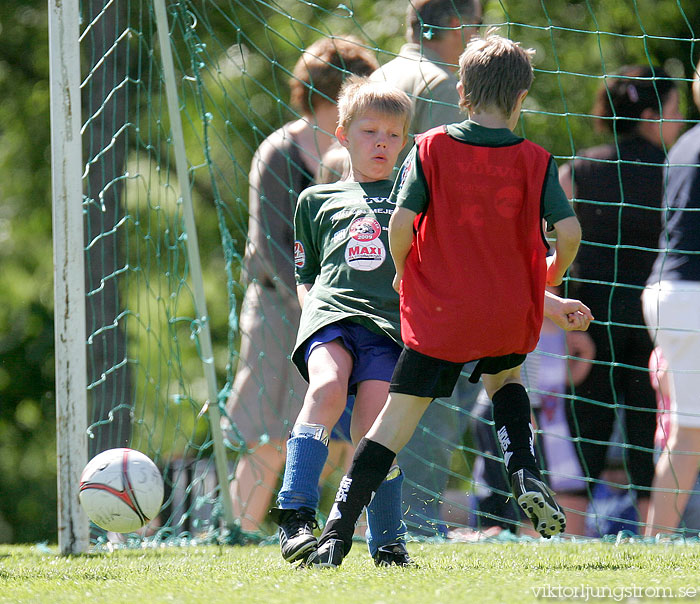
<point>477,573</point>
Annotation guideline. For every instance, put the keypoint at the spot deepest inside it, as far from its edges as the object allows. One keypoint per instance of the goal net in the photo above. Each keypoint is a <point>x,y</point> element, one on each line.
<point>164,342</point>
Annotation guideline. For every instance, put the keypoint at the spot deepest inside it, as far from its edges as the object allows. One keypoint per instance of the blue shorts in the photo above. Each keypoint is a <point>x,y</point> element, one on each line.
<point>374,356</point>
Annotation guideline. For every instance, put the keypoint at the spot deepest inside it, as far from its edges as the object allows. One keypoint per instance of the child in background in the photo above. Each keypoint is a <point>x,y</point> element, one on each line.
<point>463,187</point>
<point>349,331</point>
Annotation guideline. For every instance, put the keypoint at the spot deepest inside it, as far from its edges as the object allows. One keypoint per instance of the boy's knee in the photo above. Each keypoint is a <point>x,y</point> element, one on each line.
<point>493,383</point>
<point>331,394</point>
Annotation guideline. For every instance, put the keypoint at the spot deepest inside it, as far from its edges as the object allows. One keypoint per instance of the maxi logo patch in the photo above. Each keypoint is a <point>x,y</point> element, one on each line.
<point>365,256</point>
<point>299,254</point>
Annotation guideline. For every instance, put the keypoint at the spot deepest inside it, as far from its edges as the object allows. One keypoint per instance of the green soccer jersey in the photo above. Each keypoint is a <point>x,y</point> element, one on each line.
<point>342,248</point>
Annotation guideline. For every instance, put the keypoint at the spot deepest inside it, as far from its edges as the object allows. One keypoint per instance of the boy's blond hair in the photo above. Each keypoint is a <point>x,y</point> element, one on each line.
<point>359,95</point>
<point>493,71</point>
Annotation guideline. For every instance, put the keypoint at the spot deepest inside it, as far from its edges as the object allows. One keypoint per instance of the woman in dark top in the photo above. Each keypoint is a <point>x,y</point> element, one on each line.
<point>617,191</point>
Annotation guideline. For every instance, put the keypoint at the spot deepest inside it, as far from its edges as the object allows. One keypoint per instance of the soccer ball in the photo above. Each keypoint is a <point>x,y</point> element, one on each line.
<point>121,490</point>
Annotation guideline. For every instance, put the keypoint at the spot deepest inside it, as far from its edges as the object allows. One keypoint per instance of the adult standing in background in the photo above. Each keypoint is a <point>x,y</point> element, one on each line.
<point>617,190</point>
<point>672,312</point>
<point>437,32</point>
<point>267,391</point>
<point>425,68</point>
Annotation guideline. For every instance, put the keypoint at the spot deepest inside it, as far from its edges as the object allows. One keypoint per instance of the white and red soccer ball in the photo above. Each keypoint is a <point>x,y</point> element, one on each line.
<point>121,490</point>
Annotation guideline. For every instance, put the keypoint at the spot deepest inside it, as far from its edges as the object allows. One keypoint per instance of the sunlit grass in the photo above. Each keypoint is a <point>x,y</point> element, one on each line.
<point>482,572</point>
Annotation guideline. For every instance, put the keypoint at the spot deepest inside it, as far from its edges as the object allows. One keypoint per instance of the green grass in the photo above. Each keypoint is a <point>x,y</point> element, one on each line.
<point>474,573</point>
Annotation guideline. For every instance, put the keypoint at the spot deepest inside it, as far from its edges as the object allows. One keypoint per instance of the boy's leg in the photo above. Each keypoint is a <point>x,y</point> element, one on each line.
<point>511,416</point>
<point>370,466</point>
<point>307,451</point>
<point>329,366</point>
<point>386,530</point>
<point>385,526</point>
<point>498,509</point>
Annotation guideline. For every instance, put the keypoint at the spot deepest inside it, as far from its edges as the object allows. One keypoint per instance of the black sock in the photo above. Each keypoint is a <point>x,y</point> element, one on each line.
<point>369,468</point>
<point>511,416</point>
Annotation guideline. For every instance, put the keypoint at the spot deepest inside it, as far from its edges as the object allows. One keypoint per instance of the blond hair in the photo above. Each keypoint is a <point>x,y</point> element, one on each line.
<point>493,71</point>
<point>359,95</point>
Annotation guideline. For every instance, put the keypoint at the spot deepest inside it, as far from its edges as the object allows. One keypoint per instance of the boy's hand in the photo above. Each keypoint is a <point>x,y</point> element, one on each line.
<point>578,321</point>
<point>396,283</point>
<point>571,315</point>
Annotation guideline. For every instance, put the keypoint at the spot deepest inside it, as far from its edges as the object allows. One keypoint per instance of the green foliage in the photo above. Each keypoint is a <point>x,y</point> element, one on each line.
<point>27,424</point>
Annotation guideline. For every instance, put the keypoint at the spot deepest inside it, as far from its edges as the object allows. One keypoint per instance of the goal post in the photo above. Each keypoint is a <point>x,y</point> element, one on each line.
<point>157,110</point>
<point>69,218</point>
<point>69,266</point>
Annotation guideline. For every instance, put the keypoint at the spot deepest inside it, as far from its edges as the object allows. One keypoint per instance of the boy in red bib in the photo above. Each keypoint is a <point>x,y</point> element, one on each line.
<point>471,268</point>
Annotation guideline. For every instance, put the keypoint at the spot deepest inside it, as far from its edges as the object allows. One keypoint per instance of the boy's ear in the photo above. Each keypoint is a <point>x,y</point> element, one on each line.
<point>460,90</point>
<point>341,135</point>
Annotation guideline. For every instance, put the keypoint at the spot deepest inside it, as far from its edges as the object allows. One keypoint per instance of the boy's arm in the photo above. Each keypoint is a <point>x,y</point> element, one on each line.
<point>400,239</point>
<point>568,232</point>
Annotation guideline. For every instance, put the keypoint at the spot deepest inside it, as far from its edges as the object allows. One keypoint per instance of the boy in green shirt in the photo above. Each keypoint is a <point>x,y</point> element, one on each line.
<point>348,339</point>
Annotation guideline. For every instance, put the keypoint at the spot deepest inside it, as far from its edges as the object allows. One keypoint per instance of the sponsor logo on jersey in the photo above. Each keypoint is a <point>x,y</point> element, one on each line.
<point>509,201</point>
<point>405,169</point>
<point>299,254</point>
<point>376,200</point>
<point>365,255</point>
<point>365,228</point>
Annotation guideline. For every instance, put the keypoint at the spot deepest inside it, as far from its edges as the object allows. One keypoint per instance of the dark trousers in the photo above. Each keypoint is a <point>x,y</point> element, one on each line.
<point>618,387</point>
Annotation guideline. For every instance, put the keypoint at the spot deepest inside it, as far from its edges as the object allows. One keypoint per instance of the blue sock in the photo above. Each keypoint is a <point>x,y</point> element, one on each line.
<point>305,460</point>
<point>385,523</point>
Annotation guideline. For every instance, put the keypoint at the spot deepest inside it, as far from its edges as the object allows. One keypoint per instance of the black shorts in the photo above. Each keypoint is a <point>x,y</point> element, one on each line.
<point>420,375</point>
